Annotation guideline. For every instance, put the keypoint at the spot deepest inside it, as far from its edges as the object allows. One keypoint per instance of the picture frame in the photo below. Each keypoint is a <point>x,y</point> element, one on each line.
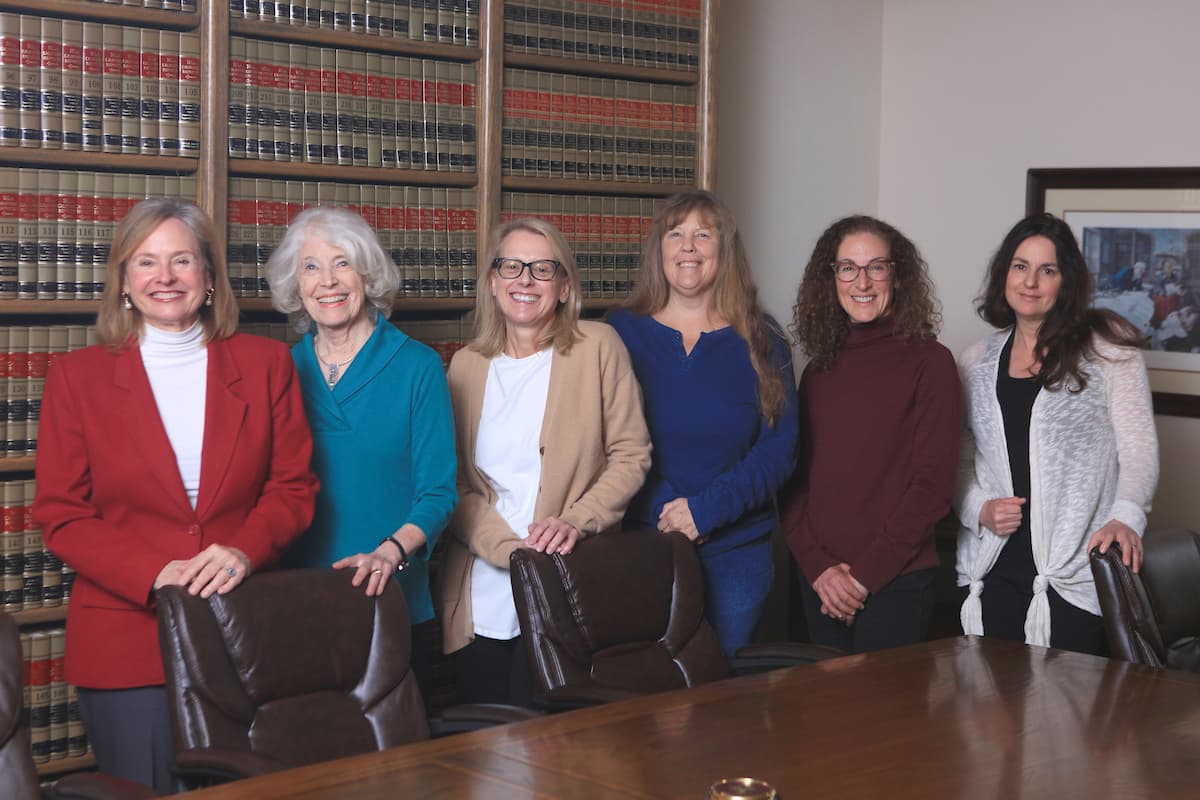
<point>1146,214</point>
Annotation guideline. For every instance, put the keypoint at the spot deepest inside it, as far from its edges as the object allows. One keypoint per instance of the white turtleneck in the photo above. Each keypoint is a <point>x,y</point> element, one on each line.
<point>177,366</point>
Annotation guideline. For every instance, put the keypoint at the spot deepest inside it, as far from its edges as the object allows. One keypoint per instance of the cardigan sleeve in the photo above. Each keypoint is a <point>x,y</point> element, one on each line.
<point>626,441</point>
<point>938,409</point>
<point>111,556</point>
<point>432,450</point>
<point>752,482</point>
<point>1131,411</point>
<point>969,496</point>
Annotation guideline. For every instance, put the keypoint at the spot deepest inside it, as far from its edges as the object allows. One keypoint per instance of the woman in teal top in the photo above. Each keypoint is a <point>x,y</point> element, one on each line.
<point>379,409</point>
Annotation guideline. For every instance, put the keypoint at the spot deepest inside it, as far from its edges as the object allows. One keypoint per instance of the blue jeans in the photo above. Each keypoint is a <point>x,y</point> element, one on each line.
<point>736,585</point>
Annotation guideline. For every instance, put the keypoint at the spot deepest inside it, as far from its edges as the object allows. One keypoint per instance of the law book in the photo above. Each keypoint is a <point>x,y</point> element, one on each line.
<point>71,80</point>
<point>341,15</point>
<point>358,108</point>
<point>458,22</point>
<point>311,102</point>
<point>545,122</point>
<point>344,69</point>
<point>358,16</point>
<point>426,243</point>
<point>471,18</point>
<point>58,343</point>
<point>445,21</point>
<point>689,34</point>
<point>661,133</point>
<point>454,240</point>
<point>394,18</point>
<point>12,542</point>
<point>329,106</point>
<point>239,89</point>
<point>47,232</point>
<point>131,88</point>
<point>296,67</point>
<point>570,126</point>
<point>297,12</point>
<point>148,130</point>
<point>507,124</point>
<point>685,128</point>
<point>167,100</point>
<point>77,744</point>
<point>608,246</point>
<point>375,144</point>
<point>189,94</point>
<point>324,13</point>
<point>85,234</point>
<point>401,68</point>
<point>261,137</point>
<point>30,116</point>
<point>383,72</point>
<point>39,696</point>
<point>441,242</point>
<point>281,117</point>
<point>429,28</point>
<point>58,695</point>
<point>92,113</point>
<point>594,244</point>
<point>27,233</point>
<point>266,10</point>
<point>240,228</point>
<point>468,78</point>
<point>428,78</point>
<point>10,79</point>
<point>514,26</point>
<point>449,108</point>
<point>66,220</point>
<point>104,226</point>
<point>111,83</point>
<point>8,233</point>
<point>411,268</point>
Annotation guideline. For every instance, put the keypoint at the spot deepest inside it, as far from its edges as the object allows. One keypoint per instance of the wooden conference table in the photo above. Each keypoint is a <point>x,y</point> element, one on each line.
<point>965,717</point>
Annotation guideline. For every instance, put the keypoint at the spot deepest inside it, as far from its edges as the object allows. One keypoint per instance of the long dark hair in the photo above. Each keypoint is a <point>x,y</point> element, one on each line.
<point>819,322</point>
<point>1065,339</point>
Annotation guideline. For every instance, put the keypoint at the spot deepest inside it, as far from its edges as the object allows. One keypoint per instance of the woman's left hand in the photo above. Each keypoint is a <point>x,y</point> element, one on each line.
<point>552,535</point>
<point>1122,534</point>
<point>377,568</point>
<point>676,515</point>
<point>215,569</point>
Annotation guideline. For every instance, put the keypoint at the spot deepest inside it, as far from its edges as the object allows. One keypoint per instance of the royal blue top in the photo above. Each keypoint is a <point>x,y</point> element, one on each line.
<point>383,448</point>
<point>712,445</point>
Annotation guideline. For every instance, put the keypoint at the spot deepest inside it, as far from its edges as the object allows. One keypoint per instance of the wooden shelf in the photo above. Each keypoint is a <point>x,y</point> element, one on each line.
<point>17,464</point>
<point>106,12</point>
<point>302,170</point>
<point>36,616</point>
<point>99,162</point>
<point>64,765</point>
<point>520,183</point>
<point>600,69</point>
<point>323,37</point>
<point>57,307</point>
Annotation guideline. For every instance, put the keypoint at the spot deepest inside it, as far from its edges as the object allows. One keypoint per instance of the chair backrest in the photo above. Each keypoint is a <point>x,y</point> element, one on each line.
<point>297,666</point>
<point>1153,617</point>
<point>20,779</point>
<point>624,611</point>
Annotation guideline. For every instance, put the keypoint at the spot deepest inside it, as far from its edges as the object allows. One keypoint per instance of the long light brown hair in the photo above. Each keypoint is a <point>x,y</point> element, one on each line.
<point>734,296</point>
<point>819,322</point>
<point>117,326</point>
<point>490,326</point>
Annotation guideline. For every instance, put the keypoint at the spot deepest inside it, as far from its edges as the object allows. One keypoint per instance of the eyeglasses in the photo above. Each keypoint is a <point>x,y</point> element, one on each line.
<point>877,270</point>
<point>509,268</point>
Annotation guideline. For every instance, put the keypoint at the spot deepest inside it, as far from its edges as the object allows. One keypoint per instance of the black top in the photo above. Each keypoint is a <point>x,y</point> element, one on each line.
<point>1016,396</point>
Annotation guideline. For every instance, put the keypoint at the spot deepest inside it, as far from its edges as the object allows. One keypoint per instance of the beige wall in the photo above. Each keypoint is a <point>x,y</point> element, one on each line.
<point>935,129</point>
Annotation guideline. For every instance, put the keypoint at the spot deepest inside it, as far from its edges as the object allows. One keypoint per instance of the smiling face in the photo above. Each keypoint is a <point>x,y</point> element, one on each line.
<point>166,278</point>
<point>330,288</point>
<point>863,299</point>
<point>1034,280</point>
<point>691,255</point>
<point>524,301</point>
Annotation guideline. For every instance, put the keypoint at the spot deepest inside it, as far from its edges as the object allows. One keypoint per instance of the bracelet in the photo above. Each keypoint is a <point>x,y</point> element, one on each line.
<point>403,553</point>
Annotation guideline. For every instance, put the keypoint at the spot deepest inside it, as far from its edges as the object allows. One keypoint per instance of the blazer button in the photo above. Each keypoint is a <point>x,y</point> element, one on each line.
<point>193,530</point>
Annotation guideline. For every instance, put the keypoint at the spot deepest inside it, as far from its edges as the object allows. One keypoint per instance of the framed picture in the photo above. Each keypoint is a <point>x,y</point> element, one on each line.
<point>1139,229</point>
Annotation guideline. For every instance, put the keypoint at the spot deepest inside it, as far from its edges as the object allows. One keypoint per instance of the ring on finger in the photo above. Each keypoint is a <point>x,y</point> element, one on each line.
<point>231,572</point>
<point>376,572</point>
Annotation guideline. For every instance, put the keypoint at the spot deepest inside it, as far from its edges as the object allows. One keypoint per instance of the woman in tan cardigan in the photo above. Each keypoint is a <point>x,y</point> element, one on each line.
<point>551,446</point>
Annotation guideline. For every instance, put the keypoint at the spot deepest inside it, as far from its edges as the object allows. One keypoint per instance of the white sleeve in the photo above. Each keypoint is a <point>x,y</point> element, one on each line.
<point>1132,415</point>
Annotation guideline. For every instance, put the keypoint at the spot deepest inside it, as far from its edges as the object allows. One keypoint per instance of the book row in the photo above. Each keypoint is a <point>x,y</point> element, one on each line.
<point>26,352</point>
<point>442,21</point>
<point>56,227</point>
<point>647,33</point>
<point>430,233</point>
<point>74,85</point>
<point>51,705</point>
<point>321,105</point>
<point>30,575</point>
<point>164,5</point>
<point>605,234</point>
<point>569,126</point>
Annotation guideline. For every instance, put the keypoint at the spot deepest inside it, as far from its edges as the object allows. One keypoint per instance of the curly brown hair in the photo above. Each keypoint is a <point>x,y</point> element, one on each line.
<point>819,322</point>
<point>734,297</point>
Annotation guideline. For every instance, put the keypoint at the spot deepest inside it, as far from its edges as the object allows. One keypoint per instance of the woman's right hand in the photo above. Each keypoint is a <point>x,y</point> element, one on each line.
<point>841,595</point>
<point>1001,515</point>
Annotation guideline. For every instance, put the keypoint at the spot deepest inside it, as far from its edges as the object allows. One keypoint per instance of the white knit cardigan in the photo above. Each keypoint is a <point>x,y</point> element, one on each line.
<point>1093,457</point>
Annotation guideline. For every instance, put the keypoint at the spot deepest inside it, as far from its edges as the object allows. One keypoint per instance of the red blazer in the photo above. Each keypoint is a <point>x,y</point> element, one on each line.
<point>111,502</point>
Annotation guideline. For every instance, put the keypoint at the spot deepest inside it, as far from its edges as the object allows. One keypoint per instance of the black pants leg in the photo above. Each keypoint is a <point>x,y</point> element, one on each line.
<point>896,616</point>
<point>493,671</point>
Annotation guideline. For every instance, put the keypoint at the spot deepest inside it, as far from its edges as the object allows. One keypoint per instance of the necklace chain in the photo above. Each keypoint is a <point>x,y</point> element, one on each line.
<point>333,369</point>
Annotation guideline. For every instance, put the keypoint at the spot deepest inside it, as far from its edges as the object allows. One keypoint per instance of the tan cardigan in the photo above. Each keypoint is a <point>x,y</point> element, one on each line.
<point>595,454</point>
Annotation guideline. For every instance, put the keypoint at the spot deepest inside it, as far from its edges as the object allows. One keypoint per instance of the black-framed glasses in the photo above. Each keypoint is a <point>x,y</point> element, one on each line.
<point>877,269</point>
<point>509,268</point>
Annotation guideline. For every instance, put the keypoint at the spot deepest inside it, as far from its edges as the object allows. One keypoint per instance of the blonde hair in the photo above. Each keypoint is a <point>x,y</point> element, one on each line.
<point>490,326</point>
<point>117,326</point>
<point>734,297</point>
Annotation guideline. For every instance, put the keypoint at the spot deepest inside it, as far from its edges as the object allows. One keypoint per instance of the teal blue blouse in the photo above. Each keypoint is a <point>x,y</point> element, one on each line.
<point>383,449</point>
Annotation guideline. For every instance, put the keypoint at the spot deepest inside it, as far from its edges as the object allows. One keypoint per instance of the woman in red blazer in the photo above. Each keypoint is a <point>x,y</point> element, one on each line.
<point>176,452</point>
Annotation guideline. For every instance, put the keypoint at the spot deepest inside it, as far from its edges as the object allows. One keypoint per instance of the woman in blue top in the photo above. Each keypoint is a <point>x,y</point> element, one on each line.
<point>720,401</point>
<point>379,408</point>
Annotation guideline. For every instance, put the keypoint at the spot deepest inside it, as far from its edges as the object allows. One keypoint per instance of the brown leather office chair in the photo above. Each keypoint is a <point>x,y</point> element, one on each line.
<point>291,668</point>
<point>1153,617</point>
<point>18,775</point>
<point>622,615</point>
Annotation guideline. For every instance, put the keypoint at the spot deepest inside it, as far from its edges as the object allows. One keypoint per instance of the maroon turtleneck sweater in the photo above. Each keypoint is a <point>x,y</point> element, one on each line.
<point>879,433</point>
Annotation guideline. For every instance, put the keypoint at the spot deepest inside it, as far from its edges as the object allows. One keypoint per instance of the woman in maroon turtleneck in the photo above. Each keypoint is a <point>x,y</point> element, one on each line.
<point>880,415</point>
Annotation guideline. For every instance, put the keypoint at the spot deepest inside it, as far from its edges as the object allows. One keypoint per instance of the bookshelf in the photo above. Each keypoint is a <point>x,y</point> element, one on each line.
<point>608,168</point>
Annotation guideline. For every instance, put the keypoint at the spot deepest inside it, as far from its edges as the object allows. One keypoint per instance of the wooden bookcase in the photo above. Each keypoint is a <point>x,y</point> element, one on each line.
<point>212,168</point>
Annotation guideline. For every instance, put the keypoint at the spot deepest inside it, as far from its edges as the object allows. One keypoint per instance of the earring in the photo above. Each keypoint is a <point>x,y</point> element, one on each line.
<point>125,301</point>
<point>208,299</point>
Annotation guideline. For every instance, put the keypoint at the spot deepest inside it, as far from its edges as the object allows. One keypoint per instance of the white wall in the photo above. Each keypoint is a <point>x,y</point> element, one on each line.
<point>929,112</point>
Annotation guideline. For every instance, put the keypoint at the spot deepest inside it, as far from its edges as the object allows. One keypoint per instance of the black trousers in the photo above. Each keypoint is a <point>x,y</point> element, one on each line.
<point>493,671</point>
<point>1005,604</point>
<point>896,616</point>
<point>130,733</point>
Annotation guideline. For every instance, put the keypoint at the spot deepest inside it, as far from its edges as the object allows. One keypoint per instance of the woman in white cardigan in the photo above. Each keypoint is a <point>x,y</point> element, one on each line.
<point>1060,453</point>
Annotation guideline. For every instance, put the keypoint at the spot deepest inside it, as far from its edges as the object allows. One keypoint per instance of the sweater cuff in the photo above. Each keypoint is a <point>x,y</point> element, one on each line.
<point>1130,514</point>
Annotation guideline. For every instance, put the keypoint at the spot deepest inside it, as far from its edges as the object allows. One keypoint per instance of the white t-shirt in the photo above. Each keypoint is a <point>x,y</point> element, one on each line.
<point>177,366</point>
<point>507,453</point>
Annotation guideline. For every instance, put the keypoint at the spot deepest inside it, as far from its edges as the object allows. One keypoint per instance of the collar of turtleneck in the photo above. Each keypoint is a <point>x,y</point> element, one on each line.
<point>159,343</point>
<point>865,333</point>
